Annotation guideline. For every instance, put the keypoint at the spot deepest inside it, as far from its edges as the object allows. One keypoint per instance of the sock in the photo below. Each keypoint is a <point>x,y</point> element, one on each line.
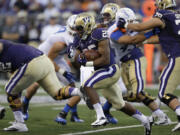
<point>74,92</point>
<point>26,100</point>
<point>74,109</point>
<point>66,108</point>
<point>18,116</point>
<point>139,116</point>
<point>159,113</point>
<point>99,110</point>
<point>107,106</point>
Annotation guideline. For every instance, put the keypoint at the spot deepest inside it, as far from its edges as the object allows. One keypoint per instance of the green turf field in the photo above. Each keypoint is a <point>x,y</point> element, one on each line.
<point>41,122</point>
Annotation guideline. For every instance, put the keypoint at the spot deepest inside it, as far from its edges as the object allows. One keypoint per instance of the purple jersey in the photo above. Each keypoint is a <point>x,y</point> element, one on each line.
<point>169,37</point>
<point>15,55</point>
<point>91,42</point>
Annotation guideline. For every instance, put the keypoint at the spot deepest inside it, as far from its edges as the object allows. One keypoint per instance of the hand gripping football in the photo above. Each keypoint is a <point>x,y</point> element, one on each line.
<point>91,55</point>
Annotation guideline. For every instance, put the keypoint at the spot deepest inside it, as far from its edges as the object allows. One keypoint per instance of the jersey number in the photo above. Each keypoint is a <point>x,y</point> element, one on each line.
<point>178,23</point>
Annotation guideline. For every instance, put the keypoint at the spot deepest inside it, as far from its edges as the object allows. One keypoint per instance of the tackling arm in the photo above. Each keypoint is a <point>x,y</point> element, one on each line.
<point>54,52</point>
<point>152,23</point>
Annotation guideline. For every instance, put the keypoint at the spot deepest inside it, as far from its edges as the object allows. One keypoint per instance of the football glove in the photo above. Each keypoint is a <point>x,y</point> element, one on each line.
<point>82,59</point>
<point>69,76</point>
<point>122,23</point>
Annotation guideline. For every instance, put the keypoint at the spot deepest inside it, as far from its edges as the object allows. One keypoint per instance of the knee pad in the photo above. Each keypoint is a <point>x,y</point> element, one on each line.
<point>148,98</point>
<point>63,93</point>
<point>167,98</point>
<point>11,99</point>
<point>131,97</point>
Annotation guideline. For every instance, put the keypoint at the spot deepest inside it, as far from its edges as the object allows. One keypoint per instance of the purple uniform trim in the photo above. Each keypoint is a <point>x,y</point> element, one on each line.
<point>140,82</point>
<point>100,75</point>
<point>16,78</point>
<point>165,76</point>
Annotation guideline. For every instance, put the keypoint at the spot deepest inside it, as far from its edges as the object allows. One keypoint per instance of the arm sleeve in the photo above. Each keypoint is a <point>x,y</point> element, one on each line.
<point>116,35</point>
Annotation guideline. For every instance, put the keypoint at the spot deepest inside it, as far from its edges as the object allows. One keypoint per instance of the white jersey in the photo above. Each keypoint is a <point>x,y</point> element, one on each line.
<point>61,35</point>
<point>120,49</point>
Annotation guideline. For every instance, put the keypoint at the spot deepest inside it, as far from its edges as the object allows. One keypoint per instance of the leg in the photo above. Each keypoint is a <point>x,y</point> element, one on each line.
<point>61,118</point>
<point>31,90</point>
<point>101,79</point>
<point>137,75</point>
<point>169,80</point>
<point>114,95</point>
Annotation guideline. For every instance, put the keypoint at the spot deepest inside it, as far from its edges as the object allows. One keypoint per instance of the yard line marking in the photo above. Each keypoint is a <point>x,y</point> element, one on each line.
<point>106,129</point>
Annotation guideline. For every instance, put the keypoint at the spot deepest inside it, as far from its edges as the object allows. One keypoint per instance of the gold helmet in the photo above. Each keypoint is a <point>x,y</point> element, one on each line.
<point>84,24</point>
<point>164,4</point>
<point>108,12</point>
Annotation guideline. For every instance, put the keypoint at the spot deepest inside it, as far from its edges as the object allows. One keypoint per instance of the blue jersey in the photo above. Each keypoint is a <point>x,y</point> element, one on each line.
<point>15,55</point>
<point>169,36</point>
<point>123,52</point>
<point>92,41</point>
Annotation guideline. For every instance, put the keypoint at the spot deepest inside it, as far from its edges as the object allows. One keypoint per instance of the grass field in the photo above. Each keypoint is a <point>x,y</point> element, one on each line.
<point>41,122</point>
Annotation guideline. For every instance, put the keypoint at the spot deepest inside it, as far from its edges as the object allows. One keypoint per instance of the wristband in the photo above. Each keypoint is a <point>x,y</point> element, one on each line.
<point>126,24</point>
<point>61,71</point>
<point>89,63</point>
<point>148,34</point>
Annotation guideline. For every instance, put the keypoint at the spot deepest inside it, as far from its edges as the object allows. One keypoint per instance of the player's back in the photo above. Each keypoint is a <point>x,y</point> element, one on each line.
<point>15,55</point>
<point>170,35</point>
<point>61,35</point>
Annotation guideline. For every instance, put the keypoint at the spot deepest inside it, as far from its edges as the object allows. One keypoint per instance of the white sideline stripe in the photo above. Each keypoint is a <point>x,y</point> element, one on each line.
<point>106,129</point>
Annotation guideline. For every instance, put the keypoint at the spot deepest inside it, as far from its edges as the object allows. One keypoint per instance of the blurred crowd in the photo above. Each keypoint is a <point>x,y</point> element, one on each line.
<point>32,21</point>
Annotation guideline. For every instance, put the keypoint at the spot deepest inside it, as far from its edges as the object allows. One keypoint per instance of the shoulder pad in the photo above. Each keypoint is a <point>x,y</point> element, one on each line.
<point>99,34</point>
<point>161,14</point>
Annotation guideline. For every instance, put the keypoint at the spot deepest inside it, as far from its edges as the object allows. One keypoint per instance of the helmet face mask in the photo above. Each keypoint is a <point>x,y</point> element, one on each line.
<point>70,25</point>
<point>108,12</point>
<point>84,24</point>
<point>127,14</point>
<point>164,4</point>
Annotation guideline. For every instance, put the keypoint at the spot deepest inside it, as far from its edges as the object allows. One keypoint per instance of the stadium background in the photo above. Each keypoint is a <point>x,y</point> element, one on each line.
<point>32,21</point>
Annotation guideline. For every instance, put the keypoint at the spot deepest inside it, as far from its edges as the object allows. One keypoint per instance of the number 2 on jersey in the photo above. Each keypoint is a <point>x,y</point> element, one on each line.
<point>178,23</point>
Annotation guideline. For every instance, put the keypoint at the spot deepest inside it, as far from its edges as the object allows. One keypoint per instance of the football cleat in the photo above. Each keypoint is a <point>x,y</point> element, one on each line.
<point>110,118</point>
<point>17,126</point>
<point>61,118</point>
<point>176,128</point>
<point>148,125</point>
<point>25,115</point>
<point>75,118</point>
<point>2,112</point>
<point>25,111</point>
<point>100,122</point>
<point>86,99</point>
<point>163,121</point>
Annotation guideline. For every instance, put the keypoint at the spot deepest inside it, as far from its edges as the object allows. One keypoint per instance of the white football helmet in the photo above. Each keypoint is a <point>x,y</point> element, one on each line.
<point>70,24</point>
<point>127,14</point>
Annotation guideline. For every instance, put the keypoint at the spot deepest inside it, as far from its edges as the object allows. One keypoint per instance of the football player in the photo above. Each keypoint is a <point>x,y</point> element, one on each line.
<point>106,72</point>
<point>107,18</point>
<point>167,19</point>
<point>55,48</point>
<point>28,65</point>
<point>133,65</point>
<point>2,112</point>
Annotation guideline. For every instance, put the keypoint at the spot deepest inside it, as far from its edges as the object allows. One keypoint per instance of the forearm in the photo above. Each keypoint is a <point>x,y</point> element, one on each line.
<point>101,61</point>
<point>152,40</point>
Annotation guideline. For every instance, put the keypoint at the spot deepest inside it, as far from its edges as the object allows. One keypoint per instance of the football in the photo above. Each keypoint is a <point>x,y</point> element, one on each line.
<point>91,55</point>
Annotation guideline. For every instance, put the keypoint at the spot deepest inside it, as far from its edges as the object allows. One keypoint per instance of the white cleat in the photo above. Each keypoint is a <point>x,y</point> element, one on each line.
<point>100,122</point>
<point>163,121</point>
<point>2,112</point>
<point>17,126</point>
<point>176,128</point>
<point>148,125</point>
